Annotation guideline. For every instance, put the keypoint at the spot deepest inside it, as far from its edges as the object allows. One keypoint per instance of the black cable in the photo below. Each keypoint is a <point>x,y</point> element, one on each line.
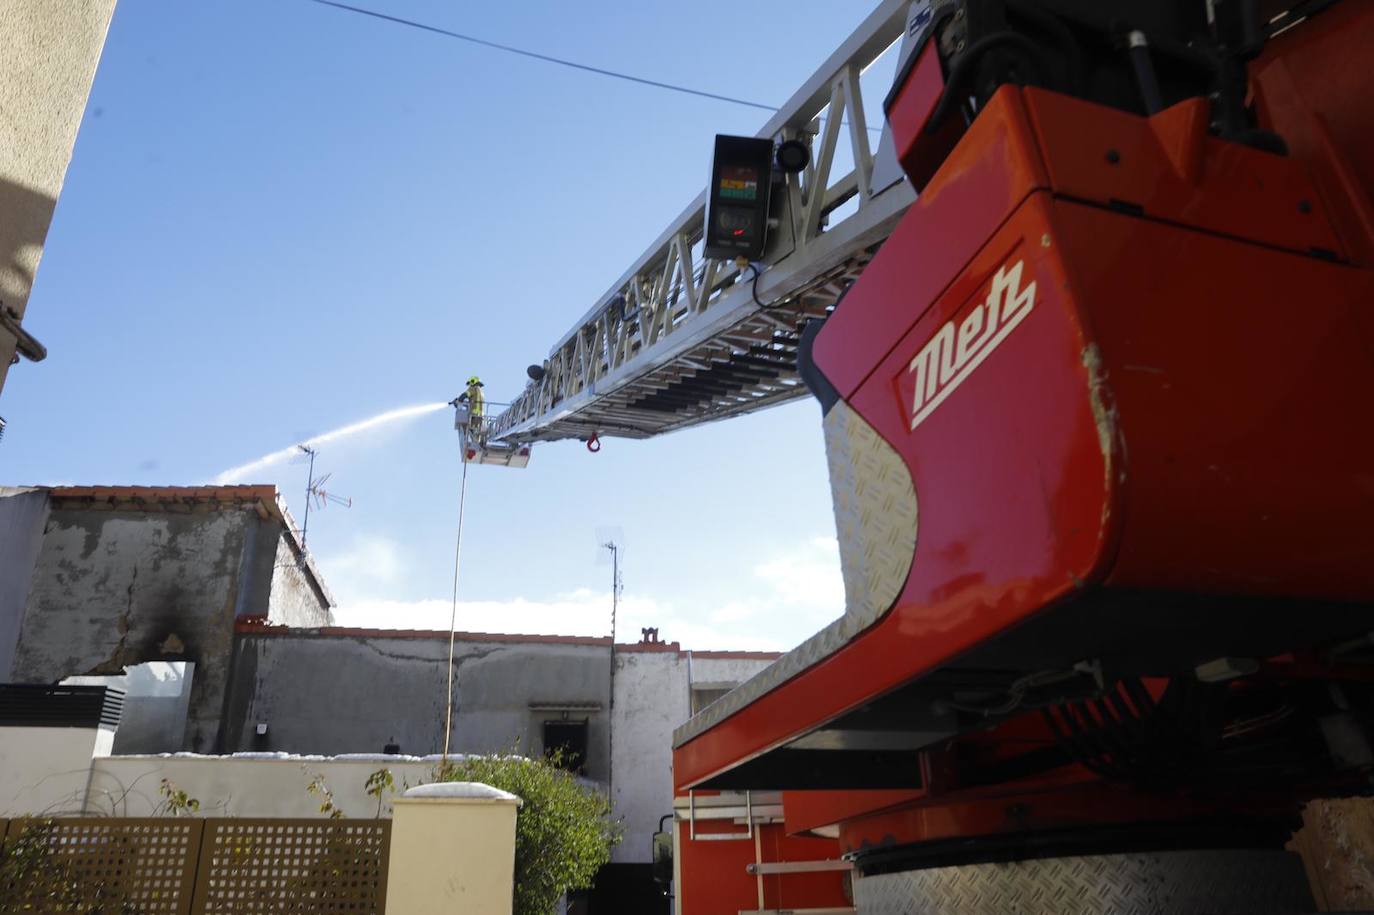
<point>544,57</point>
<point>963,70</point>
<point>1073,54</point>
<point>509,49</point>
<point>754,290</point>
<point>754,286</point>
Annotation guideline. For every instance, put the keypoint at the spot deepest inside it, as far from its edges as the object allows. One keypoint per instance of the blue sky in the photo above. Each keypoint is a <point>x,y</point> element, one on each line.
<point>281,218</point>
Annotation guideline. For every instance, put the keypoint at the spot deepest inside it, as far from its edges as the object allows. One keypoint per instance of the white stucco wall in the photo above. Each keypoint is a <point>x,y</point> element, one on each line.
<point>49,771</point>
<point>650,700</point>
<point>652,697</point>
<point>45,770</point>
<point>249,786</point>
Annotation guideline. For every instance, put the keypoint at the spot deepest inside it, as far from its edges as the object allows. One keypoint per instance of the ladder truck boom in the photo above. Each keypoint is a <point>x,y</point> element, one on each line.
<point>680,339</point>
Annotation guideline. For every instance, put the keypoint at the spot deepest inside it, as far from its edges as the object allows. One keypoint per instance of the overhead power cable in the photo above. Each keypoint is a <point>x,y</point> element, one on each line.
<point>672,87</point>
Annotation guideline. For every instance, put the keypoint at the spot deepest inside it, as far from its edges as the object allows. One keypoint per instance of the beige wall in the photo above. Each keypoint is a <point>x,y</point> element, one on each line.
<point>454,852</point>
<point>51,48</point>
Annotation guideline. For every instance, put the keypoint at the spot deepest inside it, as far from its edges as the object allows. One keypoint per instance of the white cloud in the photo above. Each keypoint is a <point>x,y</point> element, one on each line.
<point>734,612</point>
<point>579,613</point>
<point>808,575</point>
<point>370,565</point>
<point>790,595</point>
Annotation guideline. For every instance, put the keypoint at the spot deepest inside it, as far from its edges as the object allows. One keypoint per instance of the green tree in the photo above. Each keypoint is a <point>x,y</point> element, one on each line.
<point>563,834</point>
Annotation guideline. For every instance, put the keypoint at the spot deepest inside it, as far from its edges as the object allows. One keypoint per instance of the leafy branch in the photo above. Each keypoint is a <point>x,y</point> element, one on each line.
<point>319,789</point>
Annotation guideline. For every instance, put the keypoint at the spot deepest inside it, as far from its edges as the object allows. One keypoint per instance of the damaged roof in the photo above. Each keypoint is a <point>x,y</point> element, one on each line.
<point>262,497</point>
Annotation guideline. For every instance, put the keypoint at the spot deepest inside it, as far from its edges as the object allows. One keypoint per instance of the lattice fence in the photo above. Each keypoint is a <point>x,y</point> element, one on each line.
<point>187,866</point>
<point>139,865</point>
<point>249,867</point>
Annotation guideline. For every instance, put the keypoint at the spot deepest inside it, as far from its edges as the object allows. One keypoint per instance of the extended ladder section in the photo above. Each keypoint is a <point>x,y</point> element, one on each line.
<point>681,339</point>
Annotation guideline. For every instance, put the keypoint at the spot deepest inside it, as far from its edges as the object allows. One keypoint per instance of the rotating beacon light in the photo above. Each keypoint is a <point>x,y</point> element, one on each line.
<point>737,199</point>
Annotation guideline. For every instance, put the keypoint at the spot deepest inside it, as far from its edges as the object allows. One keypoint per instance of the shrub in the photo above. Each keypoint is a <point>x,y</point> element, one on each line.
<point>563,834</point>
<point>35,877</point>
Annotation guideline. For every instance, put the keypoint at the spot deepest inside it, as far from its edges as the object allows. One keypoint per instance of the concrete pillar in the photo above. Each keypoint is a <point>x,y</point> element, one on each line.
<point>452,850</point>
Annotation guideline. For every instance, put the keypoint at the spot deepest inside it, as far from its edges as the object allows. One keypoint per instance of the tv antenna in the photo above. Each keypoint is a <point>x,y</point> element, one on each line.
<point>315,492</point>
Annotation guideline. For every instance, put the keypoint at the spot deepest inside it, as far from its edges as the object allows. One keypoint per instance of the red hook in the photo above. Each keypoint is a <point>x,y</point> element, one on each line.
<point>594,444</point>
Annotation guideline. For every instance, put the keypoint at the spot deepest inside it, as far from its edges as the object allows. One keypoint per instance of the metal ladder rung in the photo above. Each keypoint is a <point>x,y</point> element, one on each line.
<point>720,836</point>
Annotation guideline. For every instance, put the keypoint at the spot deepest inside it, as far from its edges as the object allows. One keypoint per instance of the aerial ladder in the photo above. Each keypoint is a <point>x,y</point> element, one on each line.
<point>681,339</point>
<point>1091,327</point>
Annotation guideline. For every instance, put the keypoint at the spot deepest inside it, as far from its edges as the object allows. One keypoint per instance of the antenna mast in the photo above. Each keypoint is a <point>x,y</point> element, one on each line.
<point>309,489</point>
<point>616,585</point>
<point>315,492</point>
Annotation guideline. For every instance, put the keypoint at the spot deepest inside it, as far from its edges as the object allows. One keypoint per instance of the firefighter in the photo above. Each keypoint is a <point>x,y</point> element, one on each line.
<point>476,403</point>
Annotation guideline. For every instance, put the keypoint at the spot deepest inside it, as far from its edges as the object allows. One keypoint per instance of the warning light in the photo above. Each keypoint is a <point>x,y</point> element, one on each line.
<point>737,199</point>
<point>793,156</point>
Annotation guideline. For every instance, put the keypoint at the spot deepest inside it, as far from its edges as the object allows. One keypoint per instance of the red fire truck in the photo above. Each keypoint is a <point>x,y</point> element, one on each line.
<point>1096,416</point>
<point>1092,332</point>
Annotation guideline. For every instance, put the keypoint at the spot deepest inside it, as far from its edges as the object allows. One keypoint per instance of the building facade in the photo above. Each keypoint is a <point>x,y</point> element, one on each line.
<point>94,580</point>
<point>202,607</point>
<point>345,691</point>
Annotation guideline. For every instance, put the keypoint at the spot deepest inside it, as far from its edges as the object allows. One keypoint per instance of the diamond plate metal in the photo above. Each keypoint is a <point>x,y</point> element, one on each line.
<point>1226,882</point>
<point>875,513</point>
<point>875,518</point>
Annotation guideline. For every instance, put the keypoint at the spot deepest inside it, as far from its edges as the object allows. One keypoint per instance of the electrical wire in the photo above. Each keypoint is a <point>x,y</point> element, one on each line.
<point>509,49</point>
<point>453,616</point>
<point>535,55</point>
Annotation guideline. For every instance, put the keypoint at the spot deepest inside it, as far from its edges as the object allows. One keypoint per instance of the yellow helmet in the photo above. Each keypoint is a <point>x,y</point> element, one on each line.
<point>474,380</point>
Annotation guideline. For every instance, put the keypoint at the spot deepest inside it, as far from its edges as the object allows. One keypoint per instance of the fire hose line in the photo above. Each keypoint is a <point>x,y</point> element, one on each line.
<point>453,616</point>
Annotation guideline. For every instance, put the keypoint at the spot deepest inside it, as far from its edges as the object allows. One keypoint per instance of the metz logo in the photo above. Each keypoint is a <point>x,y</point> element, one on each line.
<point>953,353</point>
